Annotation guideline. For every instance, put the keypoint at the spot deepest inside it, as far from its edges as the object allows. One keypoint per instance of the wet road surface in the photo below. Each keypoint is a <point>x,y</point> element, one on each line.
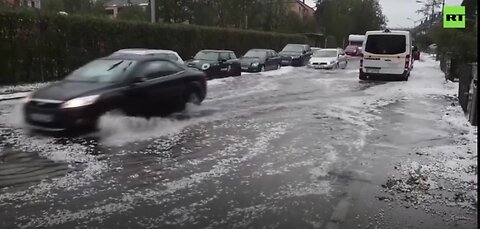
<point>292,148</point>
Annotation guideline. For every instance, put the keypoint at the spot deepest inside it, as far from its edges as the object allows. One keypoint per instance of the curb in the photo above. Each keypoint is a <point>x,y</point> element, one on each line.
<point>13,96</point>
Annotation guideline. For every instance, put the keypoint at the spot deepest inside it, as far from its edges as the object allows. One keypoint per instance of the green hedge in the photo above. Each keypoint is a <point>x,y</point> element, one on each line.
<point>41,47</point>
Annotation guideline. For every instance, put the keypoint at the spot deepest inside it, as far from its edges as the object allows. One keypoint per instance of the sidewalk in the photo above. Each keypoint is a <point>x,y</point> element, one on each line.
<point>12,92</point>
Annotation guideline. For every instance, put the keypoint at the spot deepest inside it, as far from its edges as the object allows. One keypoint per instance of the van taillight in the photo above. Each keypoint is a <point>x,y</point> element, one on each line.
<point>407,61</point>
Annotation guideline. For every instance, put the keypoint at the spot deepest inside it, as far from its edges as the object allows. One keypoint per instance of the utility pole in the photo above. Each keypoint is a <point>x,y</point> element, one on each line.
<point>245,12</point>
<point>433,12</point>
<point>152,11</point>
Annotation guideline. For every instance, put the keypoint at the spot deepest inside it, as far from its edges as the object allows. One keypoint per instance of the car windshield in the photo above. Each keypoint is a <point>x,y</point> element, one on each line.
<point>206,56</point>
<point>293,48</point>
<point>325,53</point>
<point>385,44</point>
<point>107,71</point>
<point>255,54</point>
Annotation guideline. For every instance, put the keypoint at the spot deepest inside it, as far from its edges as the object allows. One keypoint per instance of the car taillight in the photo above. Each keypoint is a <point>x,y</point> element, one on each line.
<point>407,61</point>
<point>361,61</point>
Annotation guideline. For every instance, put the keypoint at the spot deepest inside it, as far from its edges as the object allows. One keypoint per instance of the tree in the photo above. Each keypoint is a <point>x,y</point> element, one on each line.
<point>133,13</point>
<point>429,7</point>
<point>53,5</point>
<point>341,18</point>
<point>84,7</point>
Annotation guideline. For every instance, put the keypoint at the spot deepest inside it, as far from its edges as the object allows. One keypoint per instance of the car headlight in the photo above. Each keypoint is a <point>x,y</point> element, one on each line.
<point>80,102</point>
<point>332,62</point>
<point>255,64</point>
<point>27,98</point>
<point>205,66</point>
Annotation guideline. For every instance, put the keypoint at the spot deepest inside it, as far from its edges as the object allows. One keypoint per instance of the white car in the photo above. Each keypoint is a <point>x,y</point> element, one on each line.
<point>386,55</point>
<point>328,59</point>
<point>169,54</point>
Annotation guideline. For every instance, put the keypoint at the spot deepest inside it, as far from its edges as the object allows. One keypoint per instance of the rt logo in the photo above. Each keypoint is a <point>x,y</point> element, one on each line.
<point>454,17</point>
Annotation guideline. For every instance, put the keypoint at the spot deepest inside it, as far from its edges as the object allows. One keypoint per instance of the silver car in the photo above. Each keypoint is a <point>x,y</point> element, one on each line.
<point>169,54</point>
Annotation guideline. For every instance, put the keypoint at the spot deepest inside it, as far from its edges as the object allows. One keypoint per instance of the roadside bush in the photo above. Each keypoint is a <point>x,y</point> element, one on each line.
<point>36,46</point>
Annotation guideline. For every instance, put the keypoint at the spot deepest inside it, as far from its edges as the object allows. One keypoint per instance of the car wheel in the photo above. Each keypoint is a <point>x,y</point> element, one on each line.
<point>362,77</point>
<point>194,98</point>
<point>262,69</point>
<point>238,72</point>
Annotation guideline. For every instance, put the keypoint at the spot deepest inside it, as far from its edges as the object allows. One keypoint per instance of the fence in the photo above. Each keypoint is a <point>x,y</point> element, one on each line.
<point>472,105</point>
<point>466,76</point>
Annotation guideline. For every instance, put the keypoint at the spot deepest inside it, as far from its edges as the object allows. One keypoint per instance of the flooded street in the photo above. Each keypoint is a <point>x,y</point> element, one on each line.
<point>291,148</point>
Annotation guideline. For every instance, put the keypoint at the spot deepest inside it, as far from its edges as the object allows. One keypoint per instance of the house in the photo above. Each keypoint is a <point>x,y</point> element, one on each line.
<point>115,6</point>
<point>30,3</point>
<point>302,9</point>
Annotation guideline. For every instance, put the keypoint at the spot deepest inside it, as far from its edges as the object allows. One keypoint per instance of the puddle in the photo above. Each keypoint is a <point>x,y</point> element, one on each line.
<point>20,167</point>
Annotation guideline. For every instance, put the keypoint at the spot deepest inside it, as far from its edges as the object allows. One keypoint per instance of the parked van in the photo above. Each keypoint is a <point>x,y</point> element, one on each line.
<point>386,55</point>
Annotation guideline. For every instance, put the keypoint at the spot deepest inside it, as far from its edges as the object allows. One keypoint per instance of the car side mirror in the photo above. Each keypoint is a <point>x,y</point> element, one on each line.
<point>304,52</point>
<point>223,60</point>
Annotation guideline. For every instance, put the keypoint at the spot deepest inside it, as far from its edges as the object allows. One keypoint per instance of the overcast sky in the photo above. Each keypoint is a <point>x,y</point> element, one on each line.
<point>397,11</point>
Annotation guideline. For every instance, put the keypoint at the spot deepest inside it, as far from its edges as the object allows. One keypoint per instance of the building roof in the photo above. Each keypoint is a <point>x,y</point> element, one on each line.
<point>121,3</point>
<point>304,5</point>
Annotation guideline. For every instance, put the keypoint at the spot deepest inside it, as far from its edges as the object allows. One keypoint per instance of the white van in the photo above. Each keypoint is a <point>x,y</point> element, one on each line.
<point>386,54</point>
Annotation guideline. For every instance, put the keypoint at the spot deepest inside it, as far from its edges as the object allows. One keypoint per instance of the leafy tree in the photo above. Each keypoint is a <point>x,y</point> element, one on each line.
<point>429,7</point>
<point>83,7</point>
<point>133,13</point>
<point>341,18</point>
<point>53,5</point>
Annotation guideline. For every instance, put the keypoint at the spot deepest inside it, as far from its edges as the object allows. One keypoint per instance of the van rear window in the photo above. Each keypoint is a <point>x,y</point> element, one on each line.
<point>385,44</point>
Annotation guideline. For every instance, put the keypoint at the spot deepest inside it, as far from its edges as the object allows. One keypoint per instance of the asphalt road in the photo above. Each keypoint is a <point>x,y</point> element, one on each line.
<point>292,148</point>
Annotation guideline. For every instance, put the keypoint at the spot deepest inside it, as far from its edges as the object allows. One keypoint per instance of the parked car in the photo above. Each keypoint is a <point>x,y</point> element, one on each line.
<point>386,55</point>
<point>353,50</point>
<point>328,59</point>
<point>259,60</point>
<point>296,54</point>
<point>137,85</point>
<point>169,54</point>
<point>216,63</point>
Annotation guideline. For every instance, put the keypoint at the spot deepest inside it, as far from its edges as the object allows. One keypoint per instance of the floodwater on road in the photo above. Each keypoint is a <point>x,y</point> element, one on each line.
<point>291,148</point>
